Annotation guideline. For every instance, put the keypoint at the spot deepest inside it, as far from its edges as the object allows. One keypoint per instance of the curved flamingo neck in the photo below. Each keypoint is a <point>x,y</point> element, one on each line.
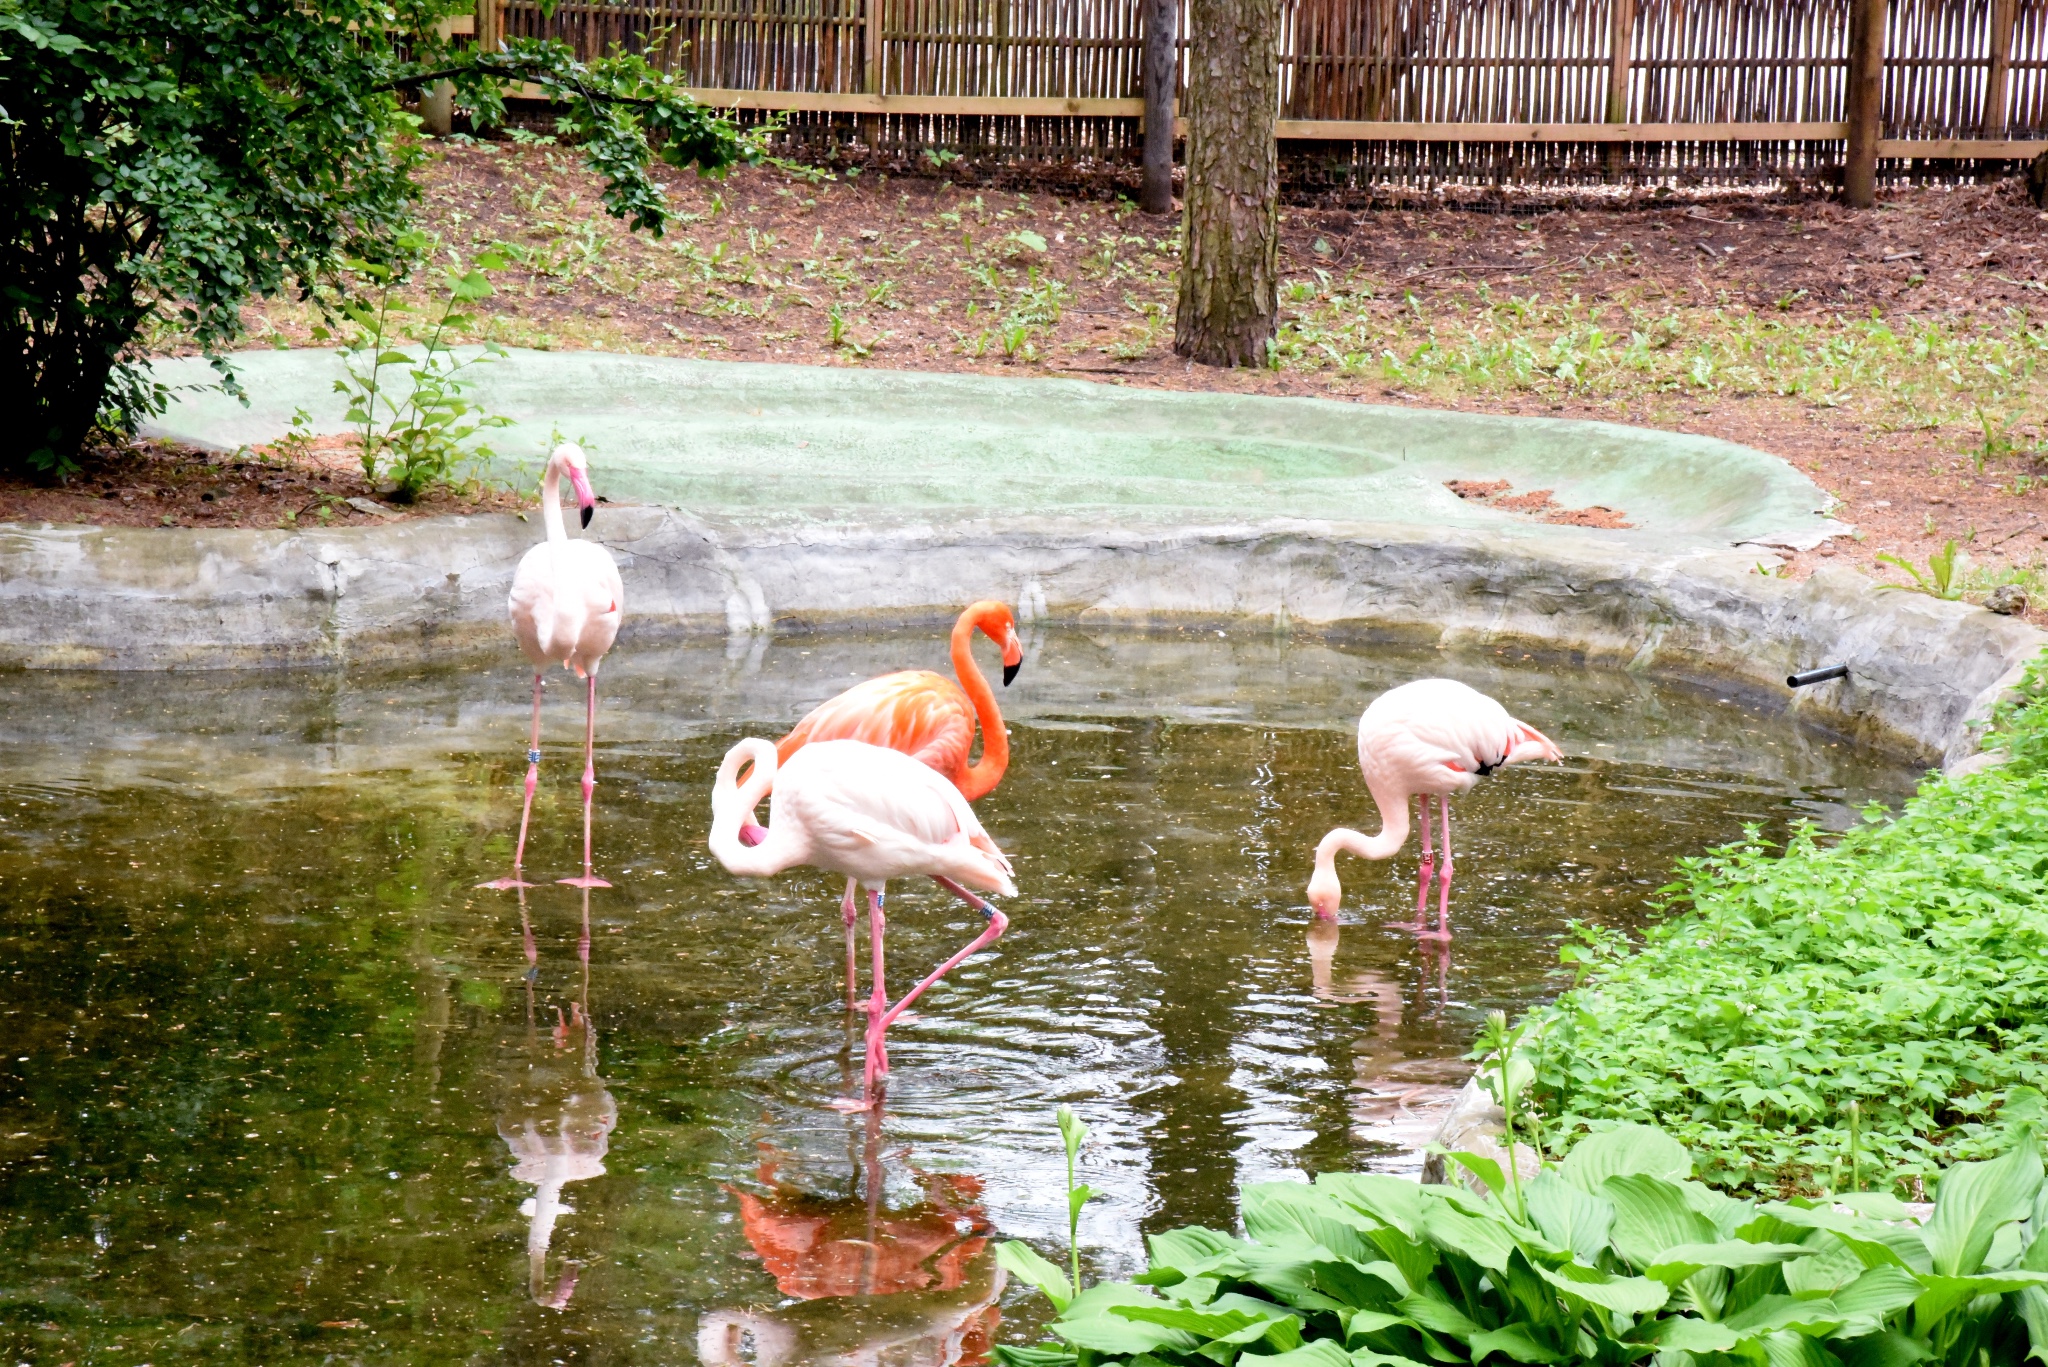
<point>551,502</point>
<point>1393,834</point>
<point>985,773</point>
<point>733,803</point>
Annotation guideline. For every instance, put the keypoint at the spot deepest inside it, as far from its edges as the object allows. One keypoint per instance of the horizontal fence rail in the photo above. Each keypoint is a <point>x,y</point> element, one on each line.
<point>1402,90</point>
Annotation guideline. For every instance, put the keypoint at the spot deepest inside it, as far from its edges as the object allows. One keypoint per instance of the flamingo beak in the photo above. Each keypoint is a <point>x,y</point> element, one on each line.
<point>585,500</point>
<point>1013,658</point>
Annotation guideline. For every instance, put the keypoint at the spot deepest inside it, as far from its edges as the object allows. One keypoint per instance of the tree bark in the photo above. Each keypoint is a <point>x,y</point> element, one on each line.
<point>1229,290</point>
<point>1161,82</point>
<point>1866,100</point>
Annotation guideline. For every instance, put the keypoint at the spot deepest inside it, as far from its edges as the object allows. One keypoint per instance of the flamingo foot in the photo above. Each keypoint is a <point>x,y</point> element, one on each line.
<point>501,884</point>
<point>1442,937</point>
<point>847,1105</point>
<point>1416,927</point>
<point>588,880</point>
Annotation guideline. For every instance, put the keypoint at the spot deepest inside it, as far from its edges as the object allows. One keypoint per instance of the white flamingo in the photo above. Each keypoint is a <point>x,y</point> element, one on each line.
<point>566,606</point>
<point>870,814</point>
<point>1429,738</point>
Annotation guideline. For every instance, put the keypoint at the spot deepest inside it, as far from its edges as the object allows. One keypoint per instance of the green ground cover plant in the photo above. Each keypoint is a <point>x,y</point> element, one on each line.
<point>1614,1255</point>
<point>1901,971</point>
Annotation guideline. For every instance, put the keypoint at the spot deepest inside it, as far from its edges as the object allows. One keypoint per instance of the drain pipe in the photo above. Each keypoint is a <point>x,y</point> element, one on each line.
<point>1814,676</point>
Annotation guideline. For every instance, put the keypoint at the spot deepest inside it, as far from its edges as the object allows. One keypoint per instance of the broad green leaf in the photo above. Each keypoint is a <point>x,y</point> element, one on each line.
<point>1786,1348</point>
<point>1650,1216</point>
<point>1976,1200</point>
<point>1623,1151</point>
<point>1209,1325</point>
<point>1674,1265</point>
<point>1390,1200</point>
<point>1939,1295</point>
<point>1366,1357</point>
<point>1433,1312</point>
<point>1485,1169</point>
<point>1372,1321</point>
<point>1321,1353</point>
<point>1284,1213</point>
<point>1683,1333</point>
<point>1023,1262</point>
<point>1088,1323</point>
<point>1017,1355</point>
<point>2032,1303</point>
<point>1623,1295</point>
<point>1487,1242</point>
<point>1518,1342</point>
<point>1569,1217</point>
<point>1878,1205</point>
<point>1769,1313</point>
<point>1833,1265</point>
<point>1885,1348</point>
<point>1879,1291</point>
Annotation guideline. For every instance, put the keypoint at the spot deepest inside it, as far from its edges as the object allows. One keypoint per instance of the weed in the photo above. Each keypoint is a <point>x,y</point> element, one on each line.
<point>1947,570</point>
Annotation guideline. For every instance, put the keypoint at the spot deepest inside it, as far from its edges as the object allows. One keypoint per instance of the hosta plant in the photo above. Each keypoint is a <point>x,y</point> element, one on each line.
<point>1614,1255</point>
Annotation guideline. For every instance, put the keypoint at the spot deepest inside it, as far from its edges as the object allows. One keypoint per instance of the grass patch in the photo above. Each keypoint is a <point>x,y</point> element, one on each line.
<point>1903,969</point>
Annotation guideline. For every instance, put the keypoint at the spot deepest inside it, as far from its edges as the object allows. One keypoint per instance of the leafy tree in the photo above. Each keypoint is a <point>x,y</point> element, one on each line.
<point>166,160</point>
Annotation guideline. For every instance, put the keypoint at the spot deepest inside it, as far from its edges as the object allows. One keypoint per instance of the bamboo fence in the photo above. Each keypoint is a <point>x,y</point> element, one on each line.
<point>1402,90</point>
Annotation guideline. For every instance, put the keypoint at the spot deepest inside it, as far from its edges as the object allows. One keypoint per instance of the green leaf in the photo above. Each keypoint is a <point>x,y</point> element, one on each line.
<point>1569,1217</point>
<point>1683,1333</point>
<point>1976,1200</point>
<point>2032,1304</point>
<point>1877,1292</point>
<point>1023,1262</point>
<point>1940,1295</point>
<point>1088,1322</point>
<point>1016,1355</point>
<point>1622,1295</point>
<point>1434,1312</point>
<point>1030,239</point>
<point>1786,1348</point>
<point>1623,1151</point>
<point>1289,1213</point>
<point>1675,1264</point>
<point>1885,1348</point>
<point>1652,1215</point>
<point>1192,1251</point>
<point>1518,1342</point>
<point>1769,1313</point>
<point>1486,1241</point>
<point>1390,1200</point>
<point>1321,1353</point>
<point>1485,1169</point>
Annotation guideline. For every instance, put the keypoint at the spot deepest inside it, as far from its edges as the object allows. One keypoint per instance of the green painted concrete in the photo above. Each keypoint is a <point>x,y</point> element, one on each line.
<point>760,444</point>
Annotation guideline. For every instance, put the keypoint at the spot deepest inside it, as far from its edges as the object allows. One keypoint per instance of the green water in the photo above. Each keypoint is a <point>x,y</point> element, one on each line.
<point>277,1080</point>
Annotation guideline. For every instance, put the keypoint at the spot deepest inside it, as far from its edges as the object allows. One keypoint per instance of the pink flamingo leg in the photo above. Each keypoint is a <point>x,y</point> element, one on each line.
<point>532,780</point>
<point>846,910</point>
<point>878,999</point>
<point>997,924</point>
<point>1443,906</point>
<point>1423,872</point>
<point>589,879</point>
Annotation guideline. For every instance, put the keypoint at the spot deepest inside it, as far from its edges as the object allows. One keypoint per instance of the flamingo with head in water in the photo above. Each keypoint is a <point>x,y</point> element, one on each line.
<point>869,813</point>
<point>928,717</point>
<point>566,606</point>
<point>1428,739</point>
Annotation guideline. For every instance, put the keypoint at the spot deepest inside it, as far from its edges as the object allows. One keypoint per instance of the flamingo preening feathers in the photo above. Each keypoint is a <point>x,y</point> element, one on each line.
<point>1429,738</point>
<point>566,606</point>
<point>871,814</point>
<point>928,717</point>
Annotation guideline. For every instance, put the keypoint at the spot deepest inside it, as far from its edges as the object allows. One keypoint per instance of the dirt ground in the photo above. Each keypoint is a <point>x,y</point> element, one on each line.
<point>1941,436</point>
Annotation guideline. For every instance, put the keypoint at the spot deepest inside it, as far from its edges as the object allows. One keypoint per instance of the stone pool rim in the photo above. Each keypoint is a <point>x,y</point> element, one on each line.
<point>1924,673</point>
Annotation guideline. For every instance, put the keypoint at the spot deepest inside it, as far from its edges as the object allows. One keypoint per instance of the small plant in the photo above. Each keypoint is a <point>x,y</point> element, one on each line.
<point>835,326</point>
<point>939,158</point>
<point>1015,338</point>
<point>412,417</point>
<point>1024,1263</point>
<point>1947,572</point>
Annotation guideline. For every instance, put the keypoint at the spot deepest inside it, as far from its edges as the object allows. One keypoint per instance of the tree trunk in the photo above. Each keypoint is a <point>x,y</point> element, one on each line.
<point>1229,291</point>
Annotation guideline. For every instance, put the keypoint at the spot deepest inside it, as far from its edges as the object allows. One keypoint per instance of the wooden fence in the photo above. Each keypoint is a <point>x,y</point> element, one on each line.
<point>1378,89</point>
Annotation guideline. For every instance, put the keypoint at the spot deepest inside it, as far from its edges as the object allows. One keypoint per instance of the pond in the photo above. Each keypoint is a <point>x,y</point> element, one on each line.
<point>281,1085</point>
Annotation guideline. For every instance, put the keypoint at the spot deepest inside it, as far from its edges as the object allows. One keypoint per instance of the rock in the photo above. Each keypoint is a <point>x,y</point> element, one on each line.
<point>2007,599</point>
<point>1474,1125</point>
<point>370,506</point>
<point>2037,181</point>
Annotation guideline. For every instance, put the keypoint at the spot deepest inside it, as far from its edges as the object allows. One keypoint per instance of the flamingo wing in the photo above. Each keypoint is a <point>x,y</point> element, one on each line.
<point>566,604</point>
<point>915,712</point>
<point>877,814</point>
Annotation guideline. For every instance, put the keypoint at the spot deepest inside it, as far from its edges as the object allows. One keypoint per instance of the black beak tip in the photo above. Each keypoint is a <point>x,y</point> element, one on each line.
<point>586,515</point>
<point>1010,672</point>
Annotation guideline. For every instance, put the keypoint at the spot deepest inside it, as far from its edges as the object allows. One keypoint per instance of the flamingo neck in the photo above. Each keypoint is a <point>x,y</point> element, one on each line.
<point>732,807</point>
<point>551,502</point>
<point>985,773</point>
<point>1393,834</point>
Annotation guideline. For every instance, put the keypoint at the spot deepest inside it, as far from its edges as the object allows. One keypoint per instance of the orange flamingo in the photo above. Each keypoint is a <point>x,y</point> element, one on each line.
<point>928,717</point>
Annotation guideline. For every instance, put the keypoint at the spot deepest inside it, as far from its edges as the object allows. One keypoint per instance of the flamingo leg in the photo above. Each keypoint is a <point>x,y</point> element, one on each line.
<point>532,781</point>
<point>589,879</point>
<point>1443,906</point>
<point>878,998</point>
<point>997,924</point>
<point>846,912</point>
<point>1424,871</point>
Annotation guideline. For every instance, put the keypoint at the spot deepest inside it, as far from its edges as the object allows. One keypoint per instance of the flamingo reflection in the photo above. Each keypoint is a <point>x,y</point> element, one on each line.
<point>556,1114</point>
<point>915,1286</point>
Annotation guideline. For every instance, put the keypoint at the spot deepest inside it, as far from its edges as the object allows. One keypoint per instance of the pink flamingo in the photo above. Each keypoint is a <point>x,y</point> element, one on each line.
<point>1429,738</point>
<point>566,606</point>
<point>870,814</point>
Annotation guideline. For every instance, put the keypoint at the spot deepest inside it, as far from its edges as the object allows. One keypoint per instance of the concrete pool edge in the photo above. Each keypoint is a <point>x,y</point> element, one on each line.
<point>1924,673</point>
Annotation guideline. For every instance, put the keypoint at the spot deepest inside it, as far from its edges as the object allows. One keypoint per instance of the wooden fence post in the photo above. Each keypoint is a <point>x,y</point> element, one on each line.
<point>1161,81</point>
<point>871,69</point>
<point>1866,101</point>
<point>490,25</point>
<point>1998,79</point>
<point>1621,45</point>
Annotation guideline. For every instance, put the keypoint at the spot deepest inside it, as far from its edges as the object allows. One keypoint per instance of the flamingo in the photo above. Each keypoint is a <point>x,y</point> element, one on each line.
<point>566,606</point>
<point>928,717</point>
<point>1429,738</point>
<point>872,814</point>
